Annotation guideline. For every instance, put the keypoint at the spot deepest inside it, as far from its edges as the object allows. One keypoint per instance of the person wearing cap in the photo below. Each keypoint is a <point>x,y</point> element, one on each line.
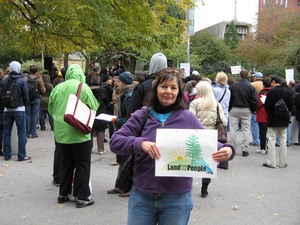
<point>17,115</point>
<point>124,83</point>
<point>157,63</point>
<point>258,85</point>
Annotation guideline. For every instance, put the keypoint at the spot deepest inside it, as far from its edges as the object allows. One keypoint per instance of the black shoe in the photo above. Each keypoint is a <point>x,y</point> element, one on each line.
<point>62,199</point>
<point>245,153</point>
<point>223,165</point>
<point>1,153</point>
<point>204,192</point>
<point>6,158</point>
<point>82,203</point>
<point>267,165</point>
<point>28,135</point>
<point>34,136</point>
<point>277,145</point>
<point>297,143</point>
<point>105,140</point>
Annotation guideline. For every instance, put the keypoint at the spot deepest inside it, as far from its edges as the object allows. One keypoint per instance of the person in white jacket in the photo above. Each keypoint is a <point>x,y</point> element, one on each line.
<point>205,109</point>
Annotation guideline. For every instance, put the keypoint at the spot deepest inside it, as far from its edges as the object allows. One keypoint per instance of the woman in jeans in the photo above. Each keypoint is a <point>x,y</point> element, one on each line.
<point>159,200</point>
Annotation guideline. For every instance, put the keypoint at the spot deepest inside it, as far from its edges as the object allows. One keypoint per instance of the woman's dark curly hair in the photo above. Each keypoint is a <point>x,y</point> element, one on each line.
<point>162,76</point>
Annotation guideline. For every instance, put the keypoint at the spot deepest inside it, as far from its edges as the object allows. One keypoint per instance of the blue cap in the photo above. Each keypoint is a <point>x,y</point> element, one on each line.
<point>258,74</point>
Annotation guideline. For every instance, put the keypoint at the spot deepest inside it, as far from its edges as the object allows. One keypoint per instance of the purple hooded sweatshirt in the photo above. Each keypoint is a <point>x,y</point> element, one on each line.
<point>126,141</point>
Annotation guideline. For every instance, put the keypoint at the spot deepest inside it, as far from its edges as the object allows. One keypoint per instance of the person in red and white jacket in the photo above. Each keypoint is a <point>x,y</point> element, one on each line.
<point>262,116</point>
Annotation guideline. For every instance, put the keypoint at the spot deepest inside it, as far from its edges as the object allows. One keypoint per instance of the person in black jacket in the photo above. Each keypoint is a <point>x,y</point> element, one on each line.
<point>242,104</point>
<point>99,125</point>
<point>297,109</point>
<point>141,92</point>
<point>277,122</point>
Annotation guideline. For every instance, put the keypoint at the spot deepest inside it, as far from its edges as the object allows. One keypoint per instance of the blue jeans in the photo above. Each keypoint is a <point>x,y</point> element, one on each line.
<point>43,114</point>
<point>254,129</point>
<point>164,209</point>
<point>32,112</point>
<point>8,121</point>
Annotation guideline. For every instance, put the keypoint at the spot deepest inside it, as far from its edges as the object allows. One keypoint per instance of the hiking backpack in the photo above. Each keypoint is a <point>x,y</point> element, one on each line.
<point>10,95</point>
<point>32,88</point>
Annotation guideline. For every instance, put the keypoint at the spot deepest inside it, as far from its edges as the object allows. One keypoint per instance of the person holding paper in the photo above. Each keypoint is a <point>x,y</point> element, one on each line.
<point>262,116</point>
<point>159,200</point>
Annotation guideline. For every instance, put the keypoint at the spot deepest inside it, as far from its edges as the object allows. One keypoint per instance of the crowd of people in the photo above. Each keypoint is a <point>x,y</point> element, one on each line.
<point>173,99</point>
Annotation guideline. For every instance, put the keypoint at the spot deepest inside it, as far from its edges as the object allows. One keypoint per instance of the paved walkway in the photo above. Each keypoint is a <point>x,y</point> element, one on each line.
<point>246,194</point>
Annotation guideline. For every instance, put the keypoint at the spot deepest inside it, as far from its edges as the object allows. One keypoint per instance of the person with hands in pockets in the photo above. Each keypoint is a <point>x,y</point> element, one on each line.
<point>159,200</point>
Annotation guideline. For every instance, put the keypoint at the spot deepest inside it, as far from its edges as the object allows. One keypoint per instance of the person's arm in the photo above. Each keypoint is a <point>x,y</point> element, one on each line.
<point>41,86</point>
<point>127,140</point>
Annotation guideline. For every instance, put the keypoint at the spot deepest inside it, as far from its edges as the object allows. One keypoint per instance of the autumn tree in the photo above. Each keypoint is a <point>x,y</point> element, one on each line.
<point>275,45</point>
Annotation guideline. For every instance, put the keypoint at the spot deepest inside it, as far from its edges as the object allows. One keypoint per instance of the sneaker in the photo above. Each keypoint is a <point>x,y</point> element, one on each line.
<point>28,135</point>
<point>26,158</point>
<point>82,203</point>
<point>263,152</point>
<point>258,151</point>
<point>245,153</point>
<point>62,199</point>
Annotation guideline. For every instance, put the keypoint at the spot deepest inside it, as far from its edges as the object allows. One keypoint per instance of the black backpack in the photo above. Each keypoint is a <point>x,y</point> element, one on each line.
<point>32,88</point>
<point>10,95</point>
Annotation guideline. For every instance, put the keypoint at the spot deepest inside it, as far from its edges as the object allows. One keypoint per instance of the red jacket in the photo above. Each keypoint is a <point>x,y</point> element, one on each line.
<point>261,114</point>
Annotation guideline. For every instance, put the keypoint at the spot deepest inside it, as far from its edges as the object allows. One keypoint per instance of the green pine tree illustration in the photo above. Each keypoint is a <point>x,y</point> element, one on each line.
<point>193,149</point>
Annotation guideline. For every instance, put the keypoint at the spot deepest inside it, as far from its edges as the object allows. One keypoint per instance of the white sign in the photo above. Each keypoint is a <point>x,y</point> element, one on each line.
<point>186,153</point>
<point>186,67</point>
<point>235,69</point>
<point>289,75</point>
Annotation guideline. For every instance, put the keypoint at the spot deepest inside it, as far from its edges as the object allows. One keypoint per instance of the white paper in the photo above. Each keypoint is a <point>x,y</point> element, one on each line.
<point>105,117</point>
<point>186,153</point>
<point>263,98</point>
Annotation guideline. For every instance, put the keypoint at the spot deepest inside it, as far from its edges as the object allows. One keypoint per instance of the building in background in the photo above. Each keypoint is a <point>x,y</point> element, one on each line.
<point>218,30</point>
<point>290,5</point>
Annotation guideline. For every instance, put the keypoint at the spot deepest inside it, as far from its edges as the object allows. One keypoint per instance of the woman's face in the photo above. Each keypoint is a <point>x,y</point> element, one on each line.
<point>167,92</point>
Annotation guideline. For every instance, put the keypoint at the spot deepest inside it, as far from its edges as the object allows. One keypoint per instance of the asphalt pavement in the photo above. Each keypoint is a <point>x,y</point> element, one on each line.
<point>245,194</point>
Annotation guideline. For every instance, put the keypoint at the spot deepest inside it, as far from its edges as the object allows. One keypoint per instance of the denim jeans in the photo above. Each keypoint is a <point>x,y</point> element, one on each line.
<point>43,115</point>
<point>32,112</point>
<point>8,121</point>
<point>163,209</point>
<point>254,129</point>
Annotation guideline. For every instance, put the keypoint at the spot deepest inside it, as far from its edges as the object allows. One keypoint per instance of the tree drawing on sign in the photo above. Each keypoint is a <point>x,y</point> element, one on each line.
<point>193,149</point>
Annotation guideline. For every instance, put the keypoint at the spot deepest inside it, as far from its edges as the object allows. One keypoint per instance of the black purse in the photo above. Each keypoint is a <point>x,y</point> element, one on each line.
<point>124,181</point>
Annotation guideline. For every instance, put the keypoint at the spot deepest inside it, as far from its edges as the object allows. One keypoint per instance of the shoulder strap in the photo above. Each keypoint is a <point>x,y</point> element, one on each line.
<point>79,90</point>
<point>223,95</point>
<point>145,118</point>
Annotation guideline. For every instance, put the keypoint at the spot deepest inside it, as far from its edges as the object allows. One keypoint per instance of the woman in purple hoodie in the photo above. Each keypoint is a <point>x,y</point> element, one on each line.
<point>159,200</point>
